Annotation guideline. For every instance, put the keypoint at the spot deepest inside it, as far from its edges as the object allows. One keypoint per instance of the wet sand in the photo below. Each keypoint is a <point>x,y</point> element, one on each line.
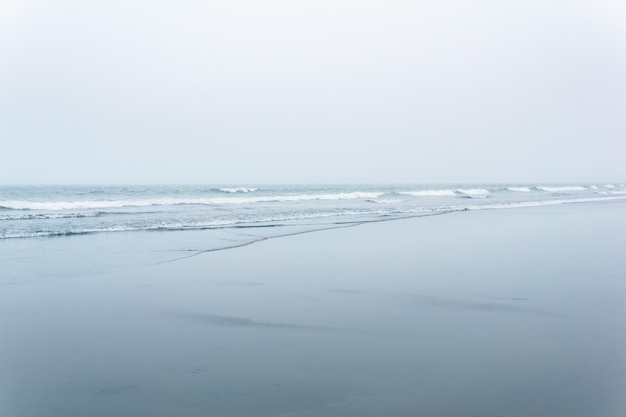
<point>476,314</point>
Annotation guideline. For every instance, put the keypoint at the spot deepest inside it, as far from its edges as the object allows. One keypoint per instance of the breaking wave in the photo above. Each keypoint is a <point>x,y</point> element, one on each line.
<point>95,204</point>
<point>238,190</point>
<point>540,203</point>
<point>385,200</point>
<point>264,221</point>
<point>474,192</point>
<point>430,193</point>
<point>49,211</point>
<point>561,189</point>
<point>44,216</point>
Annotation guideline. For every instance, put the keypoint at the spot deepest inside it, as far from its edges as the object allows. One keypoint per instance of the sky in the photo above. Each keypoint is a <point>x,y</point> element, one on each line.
<point>351,91</point>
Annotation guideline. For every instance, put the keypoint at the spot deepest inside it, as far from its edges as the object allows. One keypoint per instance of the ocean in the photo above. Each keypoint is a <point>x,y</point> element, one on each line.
<point>49,211</point>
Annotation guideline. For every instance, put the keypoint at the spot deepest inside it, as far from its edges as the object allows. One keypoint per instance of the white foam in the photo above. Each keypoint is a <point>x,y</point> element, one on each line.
<point>561,189</point>
<point>300,216</point>
<point>46,216</point>
<point>77,205</point>
<point>617,192</point>
<point>474,192</point>
<point>594,187</point>
<point>430,193</point>
<point>94,204</point>
<point>519,189</point>
<point>540,203</point>
<point>609,186</point>
<point>238,190</point>
<point>386,201</point>
<point>44,233</point>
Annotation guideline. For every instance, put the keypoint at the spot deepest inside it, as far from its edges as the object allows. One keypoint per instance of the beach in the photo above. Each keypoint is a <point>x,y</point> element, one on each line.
<point>486,313</point>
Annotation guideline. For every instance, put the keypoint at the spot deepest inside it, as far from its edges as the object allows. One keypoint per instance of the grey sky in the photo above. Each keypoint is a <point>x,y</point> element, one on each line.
<point>318,91</point>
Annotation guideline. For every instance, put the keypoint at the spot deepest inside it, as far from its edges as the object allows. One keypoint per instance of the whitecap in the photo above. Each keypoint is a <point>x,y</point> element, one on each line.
<point>475,192</point>
<point>386,201</point>
<point>238,190</point>
<point>519,189</point>
<point>561,189</point>
<point>430,193</point>
<point>94,204</point>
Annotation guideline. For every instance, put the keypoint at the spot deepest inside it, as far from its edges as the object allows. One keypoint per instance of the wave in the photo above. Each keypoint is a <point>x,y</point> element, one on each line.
<point>430,193</point>
<point>610,192</point>
<point>519,189</point>
<point>46,216</point>
<point>238,190</point>
<point>260,221</point>
<point>525,204</point>
<point>560,189</point>
<point>385,201</point>
<point>95,204</point>
<point>361,216</point>
<point>461,192</point>
<point>475,192</point>
<point>69,232</point>
<point>195,225</point>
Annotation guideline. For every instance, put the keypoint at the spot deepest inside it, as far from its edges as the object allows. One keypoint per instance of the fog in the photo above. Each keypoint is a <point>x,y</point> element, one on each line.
<point>312,92</point>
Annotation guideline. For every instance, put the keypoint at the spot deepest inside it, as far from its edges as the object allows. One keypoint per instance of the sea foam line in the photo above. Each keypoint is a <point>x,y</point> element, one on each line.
<point>221,223</point>
<point>540,203</point>
<point>48,216</point>
<point>94,204</point>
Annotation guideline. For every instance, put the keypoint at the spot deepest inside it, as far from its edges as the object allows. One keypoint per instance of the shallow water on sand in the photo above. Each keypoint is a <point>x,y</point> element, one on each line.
<point>492,313</point>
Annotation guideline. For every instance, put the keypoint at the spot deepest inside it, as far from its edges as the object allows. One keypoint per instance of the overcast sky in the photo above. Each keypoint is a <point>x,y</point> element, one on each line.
<point>312,91</point>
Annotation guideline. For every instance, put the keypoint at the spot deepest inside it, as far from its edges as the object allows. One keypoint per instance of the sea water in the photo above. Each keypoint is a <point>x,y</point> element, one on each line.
<point>48,211</point>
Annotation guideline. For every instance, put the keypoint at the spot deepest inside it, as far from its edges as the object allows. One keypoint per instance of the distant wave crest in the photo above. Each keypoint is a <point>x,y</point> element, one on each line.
<point>238,190</point>
<point>475,193</point>
<point>561,189</point>
<point>430,193</point>
<point>385,200</point>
